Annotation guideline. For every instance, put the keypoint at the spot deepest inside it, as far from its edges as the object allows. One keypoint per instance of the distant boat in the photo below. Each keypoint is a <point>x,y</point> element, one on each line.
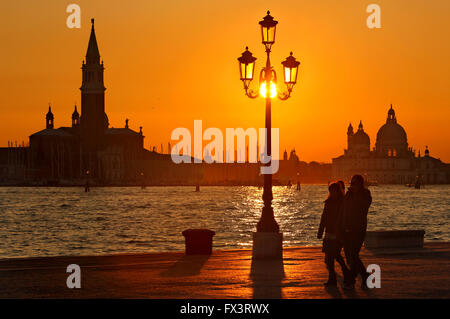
<point>418,183</point>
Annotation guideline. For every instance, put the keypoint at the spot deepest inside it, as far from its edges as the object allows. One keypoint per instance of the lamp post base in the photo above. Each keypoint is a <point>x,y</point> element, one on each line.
<point>267,245</point>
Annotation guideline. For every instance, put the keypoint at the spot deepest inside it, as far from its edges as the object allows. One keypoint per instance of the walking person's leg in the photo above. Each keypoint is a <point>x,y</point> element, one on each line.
<point>329,248</point>
<point>341,261</point>
<point>360,268</point>
<point>329,261</point>
<point>331,272</point>
<point>363,272</point>
<point>351,253</point>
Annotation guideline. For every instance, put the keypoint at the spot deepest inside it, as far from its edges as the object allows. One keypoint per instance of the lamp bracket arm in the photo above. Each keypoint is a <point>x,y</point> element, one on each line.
<point>267,73</point>
<point>274,76</point>
<point>250,92</point>
<point>262,76</point>
<point>284,96</point>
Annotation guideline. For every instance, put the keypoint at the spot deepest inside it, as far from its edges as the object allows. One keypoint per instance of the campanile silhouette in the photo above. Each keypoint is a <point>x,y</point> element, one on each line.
<point>94,120</point>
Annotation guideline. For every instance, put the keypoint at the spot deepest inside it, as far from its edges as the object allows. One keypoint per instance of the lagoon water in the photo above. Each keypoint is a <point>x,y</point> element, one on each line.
<point>66,221</point>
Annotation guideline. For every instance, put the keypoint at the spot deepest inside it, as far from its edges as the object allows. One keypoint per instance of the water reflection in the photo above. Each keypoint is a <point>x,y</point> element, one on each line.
<point>62,221</point>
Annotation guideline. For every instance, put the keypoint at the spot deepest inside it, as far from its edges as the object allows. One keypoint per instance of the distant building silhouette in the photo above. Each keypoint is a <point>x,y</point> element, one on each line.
<point>67,155</point>
<point>91,150</point>
<point>89,144</point>
<point>391,161</point>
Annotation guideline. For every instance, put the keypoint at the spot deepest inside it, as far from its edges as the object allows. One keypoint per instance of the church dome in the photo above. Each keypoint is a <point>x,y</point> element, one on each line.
<point>391,132</point>
<point>361,137</point>
<point>358,143</point>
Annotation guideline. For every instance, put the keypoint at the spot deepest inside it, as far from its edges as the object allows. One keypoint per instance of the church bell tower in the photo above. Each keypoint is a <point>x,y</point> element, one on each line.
<point>93,119</point>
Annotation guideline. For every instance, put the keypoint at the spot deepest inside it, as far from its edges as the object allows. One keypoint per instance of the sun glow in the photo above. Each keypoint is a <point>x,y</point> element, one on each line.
<point>273,89</point>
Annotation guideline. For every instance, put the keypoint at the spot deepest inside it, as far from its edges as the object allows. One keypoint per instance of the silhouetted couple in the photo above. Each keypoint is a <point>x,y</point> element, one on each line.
<point>344,220</point>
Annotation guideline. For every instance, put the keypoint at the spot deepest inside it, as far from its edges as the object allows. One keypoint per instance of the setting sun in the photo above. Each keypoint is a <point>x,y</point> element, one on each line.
<point>273,90</point>
<point>141,155</point>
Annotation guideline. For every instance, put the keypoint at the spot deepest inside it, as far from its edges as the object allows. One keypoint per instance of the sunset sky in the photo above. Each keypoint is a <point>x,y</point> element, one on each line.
<point>170,62</point>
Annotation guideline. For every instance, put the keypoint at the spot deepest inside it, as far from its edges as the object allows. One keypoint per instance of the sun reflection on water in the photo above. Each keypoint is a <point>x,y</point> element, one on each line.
<point>62,221</point>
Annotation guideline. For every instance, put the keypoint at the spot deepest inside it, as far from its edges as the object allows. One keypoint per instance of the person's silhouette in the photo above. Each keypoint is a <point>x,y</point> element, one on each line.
<point>342,184</point>
<point>329,222</point>
<point>354,224</point>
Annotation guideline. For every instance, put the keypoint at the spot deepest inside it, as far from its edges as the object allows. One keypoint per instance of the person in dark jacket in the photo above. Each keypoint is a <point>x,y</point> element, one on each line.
<point>329,222</point>
<point>342,184</point>
<point>354,224</point>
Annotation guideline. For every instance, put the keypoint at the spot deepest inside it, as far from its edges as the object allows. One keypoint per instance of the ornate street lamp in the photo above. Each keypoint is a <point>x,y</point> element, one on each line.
<point>290,66</point>
<point>268,30</point>
<point>246,67</point>
<point>267,241</point>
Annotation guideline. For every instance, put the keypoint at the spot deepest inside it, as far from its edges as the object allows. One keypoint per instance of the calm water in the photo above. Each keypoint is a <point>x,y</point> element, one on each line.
<point>67,221</point>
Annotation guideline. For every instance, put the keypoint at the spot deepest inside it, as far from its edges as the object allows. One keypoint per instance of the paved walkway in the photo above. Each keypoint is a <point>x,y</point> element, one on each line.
<point>405,273</point>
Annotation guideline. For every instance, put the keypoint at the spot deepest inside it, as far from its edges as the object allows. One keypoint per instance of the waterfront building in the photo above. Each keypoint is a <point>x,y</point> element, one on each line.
<point>391,161</point>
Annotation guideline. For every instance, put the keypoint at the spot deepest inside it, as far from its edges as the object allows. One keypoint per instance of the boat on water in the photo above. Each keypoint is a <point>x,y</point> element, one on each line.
<point>418,184</point>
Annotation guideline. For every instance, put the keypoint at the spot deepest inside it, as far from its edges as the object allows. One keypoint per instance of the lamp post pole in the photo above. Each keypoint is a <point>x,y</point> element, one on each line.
<point>267,241</point>
<point>267,222</point>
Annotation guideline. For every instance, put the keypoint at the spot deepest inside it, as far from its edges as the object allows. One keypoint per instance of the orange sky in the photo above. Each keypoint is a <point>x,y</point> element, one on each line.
<point>170,62</point>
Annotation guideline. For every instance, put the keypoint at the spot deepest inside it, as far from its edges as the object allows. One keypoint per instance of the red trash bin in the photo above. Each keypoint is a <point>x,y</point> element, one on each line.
<point>198,241</point>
